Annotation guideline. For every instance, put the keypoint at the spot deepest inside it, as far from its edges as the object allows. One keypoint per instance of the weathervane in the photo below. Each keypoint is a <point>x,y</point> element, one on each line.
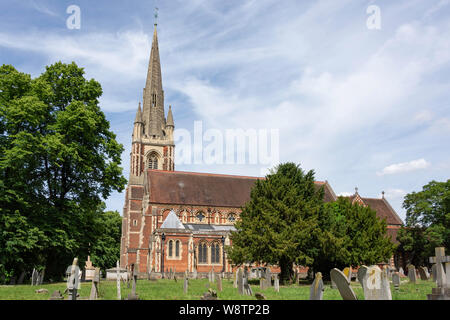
<point>156,16</point>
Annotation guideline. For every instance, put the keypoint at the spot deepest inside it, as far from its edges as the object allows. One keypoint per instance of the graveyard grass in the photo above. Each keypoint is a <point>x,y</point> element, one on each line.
<point>170,290</point>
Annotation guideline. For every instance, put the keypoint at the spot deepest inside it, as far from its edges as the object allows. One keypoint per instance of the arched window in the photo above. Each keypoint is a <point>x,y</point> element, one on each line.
<point>153,161</point>
<point>177,248</point>
<point>202,252</point>
<point>215,253</point>
<point>170,248</point>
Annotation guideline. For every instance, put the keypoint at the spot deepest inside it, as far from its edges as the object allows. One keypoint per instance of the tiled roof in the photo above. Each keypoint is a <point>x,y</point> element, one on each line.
<point>193,188</point>
<point>384,210</point>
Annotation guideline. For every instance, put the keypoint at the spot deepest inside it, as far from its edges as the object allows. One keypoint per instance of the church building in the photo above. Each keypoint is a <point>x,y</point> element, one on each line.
<point>182,220</point>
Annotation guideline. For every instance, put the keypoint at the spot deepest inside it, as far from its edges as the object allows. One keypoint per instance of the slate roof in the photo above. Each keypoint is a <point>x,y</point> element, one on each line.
<point>172,222</point>
<point>206,189</point>
<point>383,209</point>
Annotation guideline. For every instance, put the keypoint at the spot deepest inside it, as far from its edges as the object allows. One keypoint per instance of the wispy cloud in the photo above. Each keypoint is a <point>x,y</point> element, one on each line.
<point>404,167</point>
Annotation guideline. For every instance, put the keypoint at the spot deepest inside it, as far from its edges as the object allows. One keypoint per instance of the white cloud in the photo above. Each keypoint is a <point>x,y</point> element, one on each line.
<point>394,194</point>
<point>345,194</point>
<point>404,167</point>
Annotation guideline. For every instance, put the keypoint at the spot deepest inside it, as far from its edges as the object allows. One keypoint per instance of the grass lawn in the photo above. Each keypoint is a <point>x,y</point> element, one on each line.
<point>171,290</point>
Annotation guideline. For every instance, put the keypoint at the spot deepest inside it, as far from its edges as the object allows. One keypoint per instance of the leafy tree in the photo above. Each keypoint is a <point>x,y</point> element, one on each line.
<point>106,249</point>
<point>277,223</point>
<point>351,235</point>
<point>58,159</point>
<point>427,222</point>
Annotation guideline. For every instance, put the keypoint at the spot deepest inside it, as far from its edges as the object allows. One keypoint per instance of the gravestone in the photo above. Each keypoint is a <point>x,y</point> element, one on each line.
<point>41,277</point>
<point>73,281</point>
<point>235,281</point>
<point>376,284</point>
<point>361,274</point>
<point>119,295</point>
<point>348,273</point>
<point>186,282</point>
<point>412,273</point>
<point>433,272</point>
<point>56,295</point>
<point>262,281</point>
<point>423,273</point>
<point>268,278</point>
<point>247,289</point>
<point>219,282</point>
<point>135,273</point>
<point>89,270</point>
<point>317,288</point>
<point>385,286</point>
<point>195,275</point>
<point>401,273</point>
<point>396,280</point>
<point>240,281</point>
<point>95,283</point>
<point>342,284</point>
<point>442,292</point>
<point>276,283</point>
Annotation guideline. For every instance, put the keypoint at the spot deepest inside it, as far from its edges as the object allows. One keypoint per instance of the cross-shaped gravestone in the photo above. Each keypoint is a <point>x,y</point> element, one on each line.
<point>342,284</point>
<point>95,283</point>
<point>442,292</point>
<point>73,281</point>
<point>439,260</point>
<point>317,288</point>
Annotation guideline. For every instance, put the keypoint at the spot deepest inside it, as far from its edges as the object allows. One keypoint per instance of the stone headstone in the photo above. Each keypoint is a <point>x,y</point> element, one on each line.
<point>385,286</point>
<point>34,277</point>
<point>433,272</point>
<point>240,281</point>
<point>119,294</point>
<point>423,273</point>
<point>401,273</point>
<point>317,288</point>
<point>186,282</point>
<point>235,282</point>
<point>95,282</point>
<point>41,277</point>
<point>412,273</point>
<point>268,278</point>
<point>219,282</point>
<point>56,295</point>
<point>89,270</point>
<point>342,284</point>
<point>276,283</point>
<point>396,280</point>
<point>376,284</point>
<point>361,274</point>
<point>135,273</point>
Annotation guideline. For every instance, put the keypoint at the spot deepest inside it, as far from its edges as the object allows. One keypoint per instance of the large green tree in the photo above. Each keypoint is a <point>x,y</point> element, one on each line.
<point>427,222</point>
<point>58,159</point>
<point>278,224</point>
<point>351,235</point>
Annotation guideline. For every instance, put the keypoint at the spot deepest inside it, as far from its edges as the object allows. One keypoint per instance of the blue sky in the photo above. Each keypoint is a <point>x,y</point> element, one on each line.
<point>366,108</point>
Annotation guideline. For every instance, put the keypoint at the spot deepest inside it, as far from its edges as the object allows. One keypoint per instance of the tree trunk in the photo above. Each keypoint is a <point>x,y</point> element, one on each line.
<point>286,270</point>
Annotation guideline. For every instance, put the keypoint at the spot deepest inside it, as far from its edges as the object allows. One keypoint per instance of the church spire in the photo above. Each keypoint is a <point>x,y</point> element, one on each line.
<point>138,118</point>
<point>153,108</point>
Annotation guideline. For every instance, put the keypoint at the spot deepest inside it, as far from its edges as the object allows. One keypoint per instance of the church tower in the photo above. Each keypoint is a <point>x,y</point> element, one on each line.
<point>152,140</point>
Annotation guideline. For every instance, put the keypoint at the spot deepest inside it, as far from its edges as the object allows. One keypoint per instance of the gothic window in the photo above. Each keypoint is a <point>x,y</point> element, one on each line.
<point>177,248</point>
<point>200,216</point>
<point>202,252</point>
<point>215,253</point>
<point>153,161</point>
<point>154,99</point>
<point>170,248</point>
<point>231,217</point>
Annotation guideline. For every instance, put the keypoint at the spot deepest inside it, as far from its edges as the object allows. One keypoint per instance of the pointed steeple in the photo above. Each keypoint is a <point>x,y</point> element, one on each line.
<point>138,118</point>
<point>170,117</point>
<point>153,106</point>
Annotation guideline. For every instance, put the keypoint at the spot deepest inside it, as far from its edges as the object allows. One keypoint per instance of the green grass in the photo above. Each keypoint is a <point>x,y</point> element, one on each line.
<point>171,290</point>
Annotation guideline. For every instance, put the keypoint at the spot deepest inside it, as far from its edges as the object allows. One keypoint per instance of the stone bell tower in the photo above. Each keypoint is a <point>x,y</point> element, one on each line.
<point>152,140</point>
